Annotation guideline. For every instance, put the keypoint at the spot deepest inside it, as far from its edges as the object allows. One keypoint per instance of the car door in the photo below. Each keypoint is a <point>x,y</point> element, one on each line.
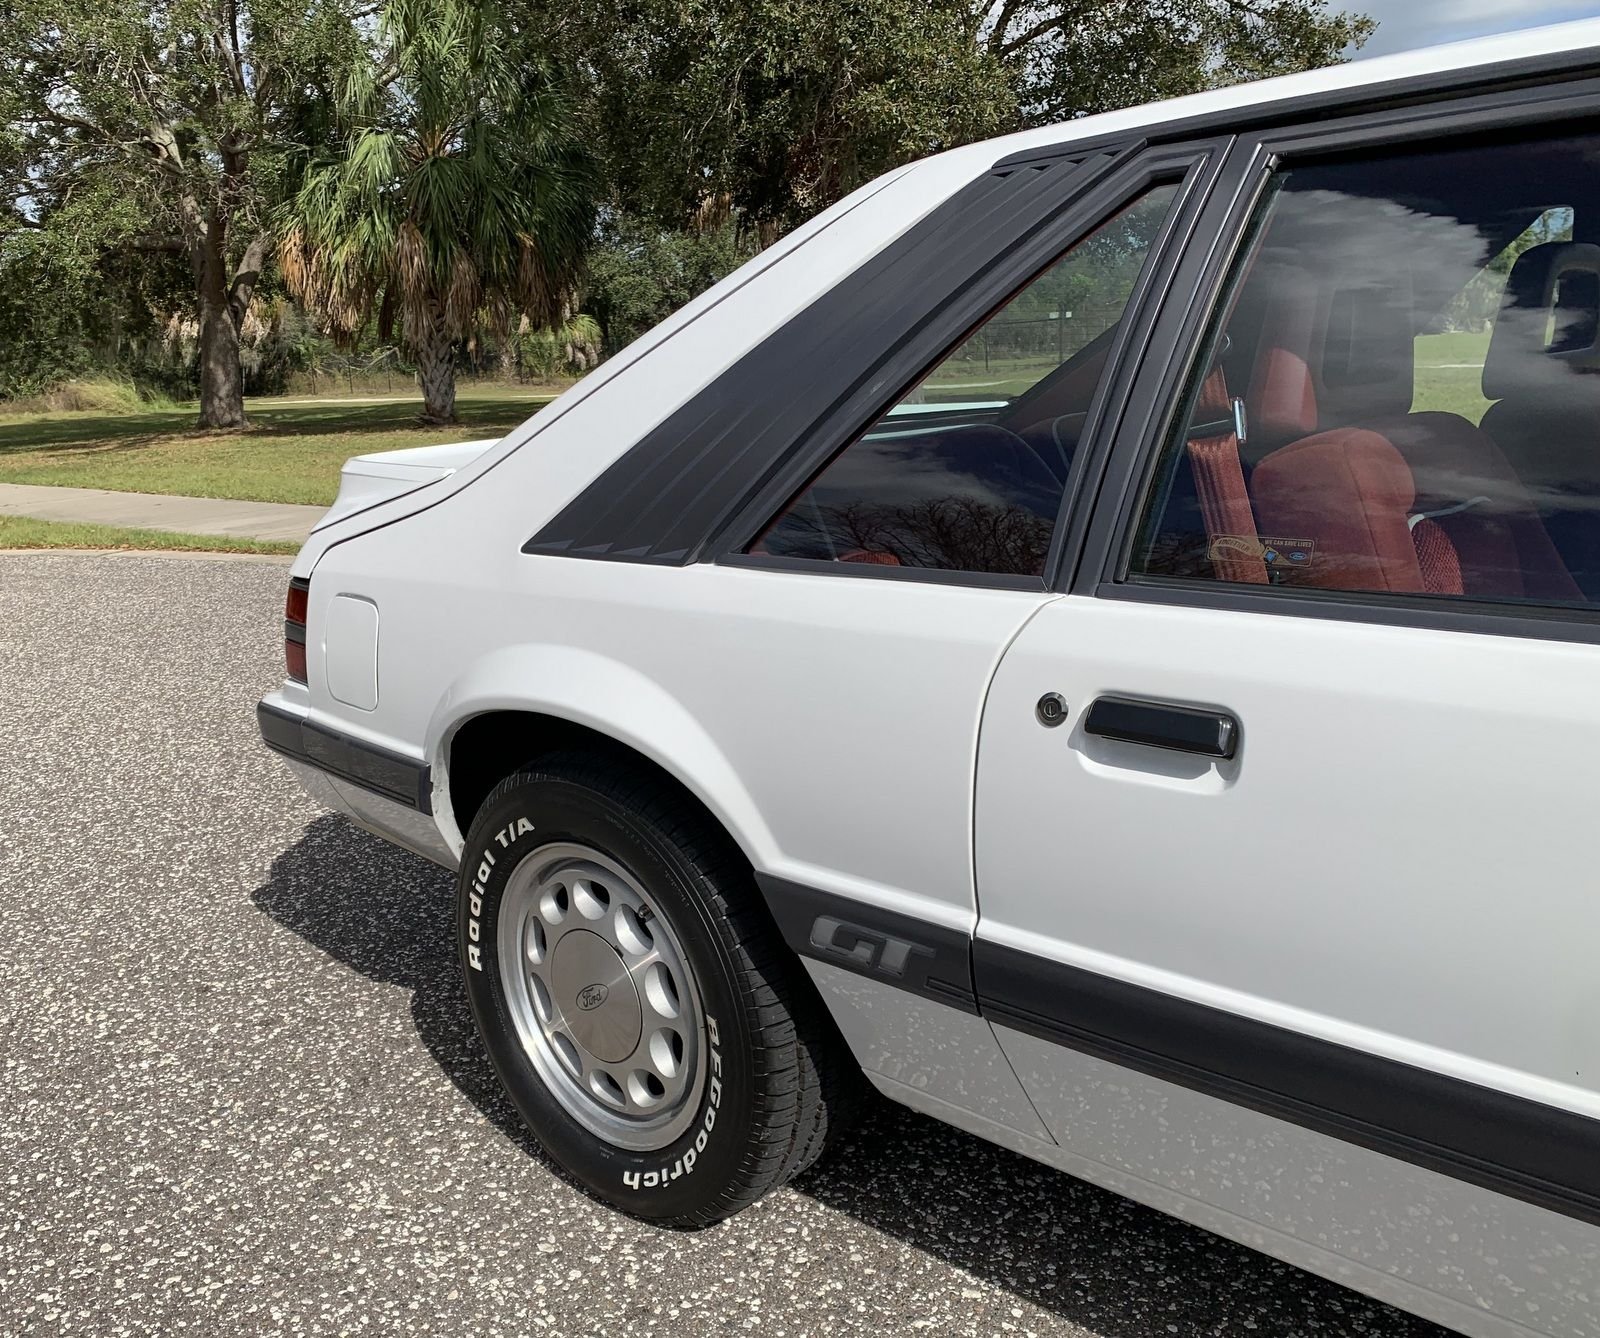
<point>1286,916</point>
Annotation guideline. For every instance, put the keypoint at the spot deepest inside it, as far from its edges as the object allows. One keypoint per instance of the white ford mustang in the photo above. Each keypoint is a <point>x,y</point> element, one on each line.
<point>1096,636</point>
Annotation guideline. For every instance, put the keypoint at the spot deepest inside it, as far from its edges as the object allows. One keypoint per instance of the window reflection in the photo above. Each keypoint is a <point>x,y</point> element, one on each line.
<point>967,471</point>
<point>1411,349</point>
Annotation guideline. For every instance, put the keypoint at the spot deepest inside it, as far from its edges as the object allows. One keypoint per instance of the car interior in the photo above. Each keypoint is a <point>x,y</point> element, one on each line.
<point>1340,467</point>
<point>1323,446</point>
<point>975,483</point>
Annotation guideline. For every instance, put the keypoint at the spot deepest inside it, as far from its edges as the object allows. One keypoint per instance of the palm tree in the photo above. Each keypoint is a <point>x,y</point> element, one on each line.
<point>461,194</point>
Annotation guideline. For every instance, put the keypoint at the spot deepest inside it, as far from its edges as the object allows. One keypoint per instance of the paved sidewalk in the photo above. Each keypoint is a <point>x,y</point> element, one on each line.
<point>157,511</point>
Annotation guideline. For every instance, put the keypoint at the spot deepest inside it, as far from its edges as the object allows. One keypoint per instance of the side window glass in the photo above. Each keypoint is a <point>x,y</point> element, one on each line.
<point>1398,395</point>
<point>1452,347</point>
<point>967,471</point>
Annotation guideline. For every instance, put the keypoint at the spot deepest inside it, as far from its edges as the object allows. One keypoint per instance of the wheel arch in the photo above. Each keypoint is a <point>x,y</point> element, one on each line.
<point>525,702</point>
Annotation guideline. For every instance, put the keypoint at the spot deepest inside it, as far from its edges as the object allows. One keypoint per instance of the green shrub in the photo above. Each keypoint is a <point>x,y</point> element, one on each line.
<point>97,394</point>
<point>640,273</point>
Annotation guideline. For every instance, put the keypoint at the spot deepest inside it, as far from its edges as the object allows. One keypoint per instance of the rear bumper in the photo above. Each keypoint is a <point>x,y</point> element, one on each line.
<point>391,775</point>
<point>387,793</point>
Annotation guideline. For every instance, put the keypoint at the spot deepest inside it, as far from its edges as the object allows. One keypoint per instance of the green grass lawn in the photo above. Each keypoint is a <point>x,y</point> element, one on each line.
<point>296,446</point>
<point>1448,369</point>
<point>22,532</point>
<point>961,380</point>
<point>291,454</point>
<point>1450,372</point>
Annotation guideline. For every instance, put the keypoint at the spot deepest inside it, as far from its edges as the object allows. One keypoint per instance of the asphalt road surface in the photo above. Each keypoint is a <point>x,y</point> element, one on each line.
<point>240,1092</point>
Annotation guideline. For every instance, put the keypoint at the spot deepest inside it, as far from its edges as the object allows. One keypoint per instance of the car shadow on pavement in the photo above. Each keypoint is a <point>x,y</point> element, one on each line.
<point>1115,1267</point>
<point>1089,1256</point>
<point>390,915</point>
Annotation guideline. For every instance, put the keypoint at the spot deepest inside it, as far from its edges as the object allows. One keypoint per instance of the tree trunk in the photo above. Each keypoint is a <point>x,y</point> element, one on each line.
<point>221,379</point>
<point>436,370</point>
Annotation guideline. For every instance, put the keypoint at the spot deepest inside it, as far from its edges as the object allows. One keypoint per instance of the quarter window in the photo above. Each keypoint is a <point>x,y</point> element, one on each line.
<point>1400,395</point>
<point>966,472</point>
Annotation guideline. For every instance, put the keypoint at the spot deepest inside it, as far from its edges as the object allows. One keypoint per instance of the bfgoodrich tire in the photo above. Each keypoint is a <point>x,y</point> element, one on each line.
<point>635,998</point>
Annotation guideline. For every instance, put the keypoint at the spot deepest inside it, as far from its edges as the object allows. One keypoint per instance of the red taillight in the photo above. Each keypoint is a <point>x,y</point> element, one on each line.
<point>294,628</point>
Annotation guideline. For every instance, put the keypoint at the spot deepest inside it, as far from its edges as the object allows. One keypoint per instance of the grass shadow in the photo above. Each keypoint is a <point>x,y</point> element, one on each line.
<point>95,431</point>
<point>59,431</point>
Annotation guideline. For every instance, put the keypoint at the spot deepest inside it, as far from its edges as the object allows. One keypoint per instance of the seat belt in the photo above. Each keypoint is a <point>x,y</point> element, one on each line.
<point>1231,539</point>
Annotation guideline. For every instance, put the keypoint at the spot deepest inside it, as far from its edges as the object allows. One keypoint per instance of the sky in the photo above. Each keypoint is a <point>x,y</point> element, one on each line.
<point>1405,24</point>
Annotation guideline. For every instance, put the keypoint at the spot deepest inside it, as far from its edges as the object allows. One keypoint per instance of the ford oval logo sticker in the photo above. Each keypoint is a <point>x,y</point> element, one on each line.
<point>591,997</point>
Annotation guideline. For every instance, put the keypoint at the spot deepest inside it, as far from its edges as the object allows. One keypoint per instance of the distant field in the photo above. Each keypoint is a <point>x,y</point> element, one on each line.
<point>292,453</point>
<point>1001,379</point>
<point>1450,372</point>
<point>1449,367</point>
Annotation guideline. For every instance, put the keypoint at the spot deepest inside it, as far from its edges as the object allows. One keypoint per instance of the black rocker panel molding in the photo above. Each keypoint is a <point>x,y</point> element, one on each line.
<point>896,949</point>
<point>1523,1149</point>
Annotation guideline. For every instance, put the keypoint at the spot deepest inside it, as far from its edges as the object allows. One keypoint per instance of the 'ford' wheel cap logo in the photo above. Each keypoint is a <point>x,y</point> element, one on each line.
<point>591,997</point>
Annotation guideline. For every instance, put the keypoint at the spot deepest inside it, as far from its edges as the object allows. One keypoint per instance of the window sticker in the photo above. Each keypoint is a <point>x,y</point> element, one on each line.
<point>1280,555</point>
<point>1286,554</point>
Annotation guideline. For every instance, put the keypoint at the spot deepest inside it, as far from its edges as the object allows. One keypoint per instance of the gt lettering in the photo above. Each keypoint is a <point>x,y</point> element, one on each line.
<point>865,948</point>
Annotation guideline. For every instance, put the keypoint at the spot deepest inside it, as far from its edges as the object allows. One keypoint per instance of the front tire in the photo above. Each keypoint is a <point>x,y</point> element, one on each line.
<point>696,1069</point>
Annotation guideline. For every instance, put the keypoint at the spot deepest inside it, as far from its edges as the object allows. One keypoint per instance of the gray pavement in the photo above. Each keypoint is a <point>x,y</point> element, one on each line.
<point>240,1092</point>
<point>159,511</point>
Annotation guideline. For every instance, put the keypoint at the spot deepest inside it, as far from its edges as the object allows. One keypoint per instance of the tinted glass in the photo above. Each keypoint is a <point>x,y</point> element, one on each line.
<point>967,471</point>
<point>1400,395</point>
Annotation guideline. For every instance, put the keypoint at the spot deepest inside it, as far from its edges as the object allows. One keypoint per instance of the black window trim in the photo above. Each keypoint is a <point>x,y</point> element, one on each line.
<point>1178,337</point>
<point>1159,283</point>
<point>668,497</point>
<point>1193,166</point>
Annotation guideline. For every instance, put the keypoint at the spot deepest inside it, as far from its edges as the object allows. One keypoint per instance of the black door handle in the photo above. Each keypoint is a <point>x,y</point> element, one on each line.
<point>1184,729</point>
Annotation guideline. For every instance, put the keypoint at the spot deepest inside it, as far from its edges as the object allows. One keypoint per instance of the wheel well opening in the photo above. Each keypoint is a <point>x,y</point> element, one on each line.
<point>490,747</point>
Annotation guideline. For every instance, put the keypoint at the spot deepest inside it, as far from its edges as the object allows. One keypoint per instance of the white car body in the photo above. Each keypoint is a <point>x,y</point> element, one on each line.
<point>872,747</point>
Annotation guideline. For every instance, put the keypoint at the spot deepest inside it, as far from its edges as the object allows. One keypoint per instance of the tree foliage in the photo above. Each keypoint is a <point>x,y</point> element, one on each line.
<point>1067,58</point>
<point>641,272</point>
<point>459,192</point>
<point>165,128</point>
<point>773,109</point>
<point>69,309</point>
<point>464,161</point>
